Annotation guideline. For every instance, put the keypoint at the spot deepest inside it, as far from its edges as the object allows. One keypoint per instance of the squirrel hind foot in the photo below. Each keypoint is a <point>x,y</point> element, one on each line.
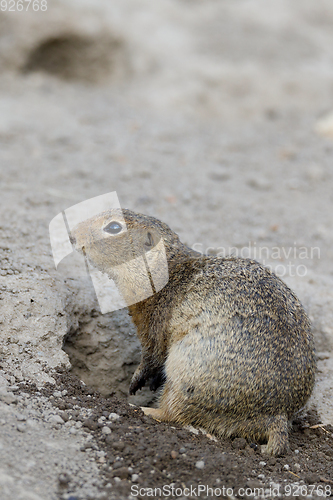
<point>278,440</point>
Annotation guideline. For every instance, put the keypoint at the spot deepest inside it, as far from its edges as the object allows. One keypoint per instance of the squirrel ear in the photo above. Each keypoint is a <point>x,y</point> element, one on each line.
<point>149,241</point>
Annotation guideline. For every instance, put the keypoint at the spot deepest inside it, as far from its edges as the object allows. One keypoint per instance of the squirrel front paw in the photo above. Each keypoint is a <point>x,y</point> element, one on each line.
<point>136,384</point>
<point>139,379</point>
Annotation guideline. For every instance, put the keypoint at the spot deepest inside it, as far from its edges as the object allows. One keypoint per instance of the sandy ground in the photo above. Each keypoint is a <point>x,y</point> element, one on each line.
<point>207,115</point>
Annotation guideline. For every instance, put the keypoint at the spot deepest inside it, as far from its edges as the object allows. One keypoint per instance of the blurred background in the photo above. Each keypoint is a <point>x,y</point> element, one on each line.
<point>215,116</point>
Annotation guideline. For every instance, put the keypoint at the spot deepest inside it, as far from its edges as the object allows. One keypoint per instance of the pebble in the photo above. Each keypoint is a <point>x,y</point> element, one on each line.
<point>259,183</point>
<point>312,478</point>
<point>64,478</point>
<point>261,476</point>
<point>101,420</point>
<point>20,417</point>
<point>55,419</point>
<point>182,450</point>
<point>57,394</point>
<point>296,452</point>
<point>239,443</point>
<point>134,478</point>
<point>13,388</point>
<point>123,472</point>
<point>7,397</point>
<point>297,467</point>
<point>174,454</point>
<point>192,429</point>
<point>219,174</point>
<point>90,424</point>
<point>106,430</point>
<point>286,467</point>
<point>114,416</point>
<point>21,427</point>
<point>324,125</point>
<point>315,173</point>
<point>200,464</point>
<point>262,464</point>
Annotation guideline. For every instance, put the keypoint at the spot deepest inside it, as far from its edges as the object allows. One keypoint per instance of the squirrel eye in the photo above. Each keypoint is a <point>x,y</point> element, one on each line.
<point>149,242</point>
<point>113,228</point>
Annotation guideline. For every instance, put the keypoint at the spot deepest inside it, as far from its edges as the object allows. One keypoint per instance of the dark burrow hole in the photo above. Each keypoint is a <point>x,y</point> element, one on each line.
<point>74,57</point>
<point>104,352</point>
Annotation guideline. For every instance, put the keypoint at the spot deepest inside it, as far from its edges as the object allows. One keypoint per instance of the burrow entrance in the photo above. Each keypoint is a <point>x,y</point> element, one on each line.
<point>104,352</point>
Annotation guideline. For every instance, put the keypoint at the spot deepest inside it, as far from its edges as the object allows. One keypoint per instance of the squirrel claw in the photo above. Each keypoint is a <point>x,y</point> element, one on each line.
<point>136,385</point>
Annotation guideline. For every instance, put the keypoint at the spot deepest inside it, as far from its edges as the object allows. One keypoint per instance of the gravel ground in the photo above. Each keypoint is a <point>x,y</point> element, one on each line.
<point>207,115</point>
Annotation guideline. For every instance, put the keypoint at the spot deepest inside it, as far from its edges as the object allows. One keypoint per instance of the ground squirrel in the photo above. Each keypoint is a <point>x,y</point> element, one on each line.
<point>227,339</point>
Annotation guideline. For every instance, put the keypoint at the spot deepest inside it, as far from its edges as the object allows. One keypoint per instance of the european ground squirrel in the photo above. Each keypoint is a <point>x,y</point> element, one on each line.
<point>227,339</point>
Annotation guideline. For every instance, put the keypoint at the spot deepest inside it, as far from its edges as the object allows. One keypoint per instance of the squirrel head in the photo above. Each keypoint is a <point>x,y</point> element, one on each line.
<point>134,250</point>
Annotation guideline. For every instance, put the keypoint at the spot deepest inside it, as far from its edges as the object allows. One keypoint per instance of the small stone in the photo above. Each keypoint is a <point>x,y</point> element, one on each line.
<point>117,479</point>
<point>297,467</point>
<point>64,392</point>
<point>117,465</point>
<point>57,394</point>
<point>324,125</point>
<point>262,464</point>
<point>239,443</point>
<point>174,454</point>
<point>253,483</point>
<point>192,429</point>
<point>21,427</point>
<point>118,445</point>
<point>55,419</point>
<point>106,430</point>
<point>259,183</point>
<point>134,478</point>
<point>122,472</point>
<point>312,478</point>
<point>7,397</point>
<point>261,476</point>
<point>219,174</point>
<point>200,464</point>
<point>296,452</point>
<point>13,388</point>
<point>286,467</point>
<point>64,415</point>
<point>101,420</point>
<point>114,416</point>
<point>64,478</point>
<point>20,417</point>
<point>90,424</point>
<point>315,173</point>
<point>182,450</point>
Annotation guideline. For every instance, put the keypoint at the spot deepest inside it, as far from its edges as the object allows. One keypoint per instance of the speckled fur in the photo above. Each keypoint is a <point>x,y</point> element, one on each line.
<point>230,340</point>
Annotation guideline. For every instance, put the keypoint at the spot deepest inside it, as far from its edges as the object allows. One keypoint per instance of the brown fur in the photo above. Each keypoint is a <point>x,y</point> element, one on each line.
<point>230,339</point>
